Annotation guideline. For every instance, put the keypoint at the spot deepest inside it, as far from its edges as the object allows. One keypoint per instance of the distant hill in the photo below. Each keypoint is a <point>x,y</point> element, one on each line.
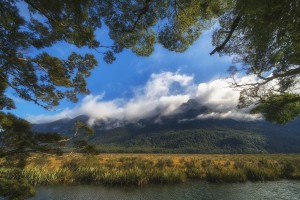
<point>182,133</point>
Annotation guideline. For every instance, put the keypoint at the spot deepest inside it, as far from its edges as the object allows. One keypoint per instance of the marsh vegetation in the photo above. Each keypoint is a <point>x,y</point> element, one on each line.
<point>143,169</point>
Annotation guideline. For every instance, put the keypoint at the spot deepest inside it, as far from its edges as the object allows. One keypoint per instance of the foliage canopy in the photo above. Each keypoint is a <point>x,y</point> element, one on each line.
<point>262,35</point>
<point>264,38</point>
<point>35,75</point>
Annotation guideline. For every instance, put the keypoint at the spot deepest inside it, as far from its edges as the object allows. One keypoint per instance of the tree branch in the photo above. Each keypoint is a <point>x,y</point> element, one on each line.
<point>41,11</point>
<point>20,93</point>
<point>144,10</point>
<point>232,29</point>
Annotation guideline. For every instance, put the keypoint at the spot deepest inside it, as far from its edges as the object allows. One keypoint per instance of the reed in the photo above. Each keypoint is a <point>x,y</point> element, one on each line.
<point>228,175</point>
<point>142,169</point>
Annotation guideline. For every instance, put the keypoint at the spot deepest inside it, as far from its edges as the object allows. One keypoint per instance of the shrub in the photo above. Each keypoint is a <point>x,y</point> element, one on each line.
<point>225,175</point>
<point>261,174</point>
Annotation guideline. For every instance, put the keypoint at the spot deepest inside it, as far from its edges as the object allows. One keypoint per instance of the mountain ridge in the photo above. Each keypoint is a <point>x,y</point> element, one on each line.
<point>172,134</point>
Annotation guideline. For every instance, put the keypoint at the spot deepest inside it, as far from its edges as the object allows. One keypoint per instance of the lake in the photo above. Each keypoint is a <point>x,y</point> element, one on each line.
<point>284,189</point>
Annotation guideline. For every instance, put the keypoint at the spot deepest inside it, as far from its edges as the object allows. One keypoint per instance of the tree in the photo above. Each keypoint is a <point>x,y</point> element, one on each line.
<point>84,147</point>
<point>16,142</point>
<point>176,24</point>
<point>264,38</point>
<point>45,79</point>
<point>263,35</point>
<point>38,77</point>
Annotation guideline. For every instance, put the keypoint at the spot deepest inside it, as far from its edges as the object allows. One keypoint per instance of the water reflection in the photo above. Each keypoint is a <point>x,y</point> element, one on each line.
<point>286,189</point>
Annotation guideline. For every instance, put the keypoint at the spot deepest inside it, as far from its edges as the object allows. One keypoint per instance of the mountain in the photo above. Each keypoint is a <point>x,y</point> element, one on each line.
<point>63,126</point>
<point>182,132</point>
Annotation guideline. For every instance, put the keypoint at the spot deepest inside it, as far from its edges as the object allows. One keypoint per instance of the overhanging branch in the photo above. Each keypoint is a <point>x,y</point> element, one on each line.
<point>232,29</point>
<point>144,10</point>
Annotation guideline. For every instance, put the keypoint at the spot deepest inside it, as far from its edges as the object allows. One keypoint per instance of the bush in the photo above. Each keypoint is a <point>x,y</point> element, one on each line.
<point>16,189</point>
<point>164,163</point>
<point>261,174</point>
<point>225,175</point>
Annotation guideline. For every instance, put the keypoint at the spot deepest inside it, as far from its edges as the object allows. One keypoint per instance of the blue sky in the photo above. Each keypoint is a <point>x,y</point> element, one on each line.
<point>119,79</point>
<point>120,88</point>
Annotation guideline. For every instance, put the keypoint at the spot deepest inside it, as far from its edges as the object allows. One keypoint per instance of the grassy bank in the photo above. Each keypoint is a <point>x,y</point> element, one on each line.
<point>142,169</point>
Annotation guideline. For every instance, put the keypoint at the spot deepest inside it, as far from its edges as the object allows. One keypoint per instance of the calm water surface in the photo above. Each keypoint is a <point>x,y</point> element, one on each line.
<point>285,189</point>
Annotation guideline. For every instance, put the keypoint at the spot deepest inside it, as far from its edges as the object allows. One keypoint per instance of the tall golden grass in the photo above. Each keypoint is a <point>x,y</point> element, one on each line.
<point>142,169</point>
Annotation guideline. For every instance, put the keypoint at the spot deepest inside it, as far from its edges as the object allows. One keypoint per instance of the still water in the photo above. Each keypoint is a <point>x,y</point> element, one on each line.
<point>285,189</point>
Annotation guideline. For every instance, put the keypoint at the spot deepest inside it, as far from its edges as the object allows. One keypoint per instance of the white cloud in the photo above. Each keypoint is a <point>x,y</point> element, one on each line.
<point>171,103</point>
<point>155,98</point>
<point>162,95</point>
<point>160,84</point>
<point>66,113</point>
<point>232,115</point>
<point>222,99</point>
<point>218,95</point>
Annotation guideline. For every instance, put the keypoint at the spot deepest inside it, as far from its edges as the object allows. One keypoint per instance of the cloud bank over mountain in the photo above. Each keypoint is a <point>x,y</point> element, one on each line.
<point>162,95</point>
